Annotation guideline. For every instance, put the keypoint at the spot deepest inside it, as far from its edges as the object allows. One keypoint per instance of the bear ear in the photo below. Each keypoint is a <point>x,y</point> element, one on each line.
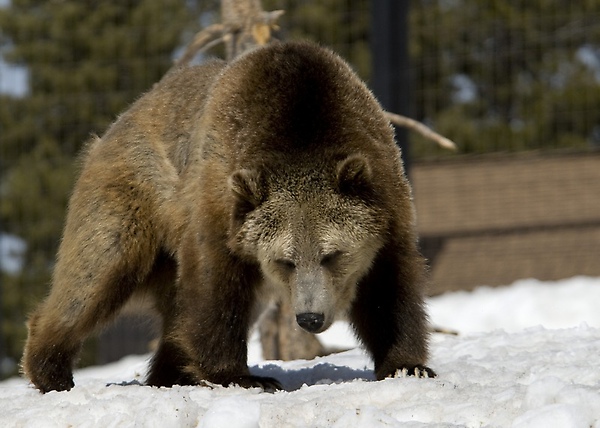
<point>248,190</point>
<point>354,175</point>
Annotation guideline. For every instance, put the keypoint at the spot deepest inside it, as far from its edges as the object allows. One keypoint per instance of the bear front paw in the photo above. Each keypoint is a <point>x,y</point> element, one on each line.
<point>417,371</point>
<point>268,384</point>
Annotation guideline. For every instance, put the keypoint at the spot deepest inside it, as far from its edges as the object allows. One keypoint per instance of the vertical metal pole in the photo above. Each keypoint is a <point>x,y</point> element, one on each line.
<point>2,344</point>
<point>3,352</point>
<point>390,79</point>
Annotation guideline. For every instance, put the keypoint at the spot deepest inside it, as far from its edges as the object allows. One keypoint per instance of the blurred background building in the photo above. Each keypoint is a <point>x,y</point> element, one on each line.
<point>516,84</point>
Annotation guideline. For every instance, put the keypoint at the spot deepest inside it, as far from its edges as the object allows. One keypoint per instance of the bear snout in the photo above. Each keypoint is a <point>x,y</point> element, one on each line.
<point>311,321</point>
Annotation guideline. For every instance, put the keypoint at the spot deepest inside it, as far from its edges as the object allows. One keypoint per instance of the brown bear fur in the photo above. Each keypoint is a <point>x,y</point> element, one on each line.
<point>226,185</point>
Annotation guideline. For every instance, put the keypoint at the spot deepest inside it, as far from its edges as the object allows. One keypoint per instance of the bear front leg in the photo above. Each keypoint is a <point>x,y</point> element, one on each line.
<point>389,317</point>
<point>167,366</point>
<point>215,299</point>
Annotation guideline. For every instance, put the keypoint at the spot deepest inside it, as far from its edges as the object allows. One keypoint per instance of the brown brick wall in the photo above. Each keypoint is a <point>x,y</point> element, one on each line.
<point>490,220</point>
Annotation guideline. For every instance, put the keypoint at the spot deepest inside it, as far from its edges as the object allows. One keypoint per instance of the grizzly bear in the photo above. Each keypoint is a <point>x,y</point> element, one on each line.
<point>228,185</point>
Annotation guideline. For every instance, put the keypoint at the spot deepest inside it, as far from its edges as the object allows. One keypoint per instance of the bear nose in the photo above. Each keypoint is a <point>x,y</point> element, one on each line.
<point>310,321</point>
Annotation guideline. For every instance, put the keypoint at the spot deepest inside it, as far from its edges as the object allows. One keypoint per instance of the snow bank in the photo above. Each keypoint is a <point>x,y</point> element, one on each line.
<point>508,374</point>
<point>527,303</point>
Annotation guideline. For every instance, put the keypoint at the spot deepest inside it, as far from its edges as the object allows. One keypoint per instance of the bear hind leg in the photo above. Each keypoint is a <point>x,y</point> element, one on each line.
<point>56,333</point>
<point>48,355</point>
<point>88,291</point>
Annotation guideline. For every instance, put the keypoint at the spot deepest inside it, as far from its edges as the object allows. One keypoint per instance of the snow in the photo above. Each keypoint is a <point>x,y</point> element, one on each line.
<point>528,355</point>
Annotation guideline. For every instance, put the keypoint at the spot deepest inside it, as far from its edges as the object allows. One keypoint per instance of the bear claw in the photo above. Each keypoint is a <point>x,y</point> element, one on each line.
<point>267,384</point>
<point>421,372</point>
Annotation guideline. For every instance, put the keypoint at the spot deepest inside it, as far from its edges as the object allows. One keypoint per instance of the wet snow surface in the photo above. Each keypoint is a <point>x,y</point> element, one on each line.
<point>528,355</point>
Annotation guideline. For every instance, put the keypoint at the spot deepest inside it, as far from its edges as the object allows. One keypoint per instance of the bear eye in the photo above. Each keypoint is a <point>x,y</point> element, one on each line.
<point>286,264</point>
<point>329,259</point>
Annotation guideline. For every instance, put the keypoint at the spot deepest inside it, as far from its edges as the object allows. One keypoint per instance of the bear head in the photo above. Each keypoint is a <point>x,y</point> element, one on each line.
<point>314,232</point>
